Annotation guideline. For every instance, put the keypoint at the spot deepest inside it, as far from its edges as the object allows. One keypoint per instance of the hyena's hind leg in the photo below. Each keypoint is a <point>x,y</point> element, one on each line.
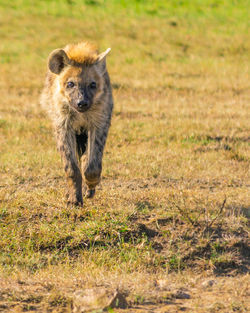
<point>82,142</point>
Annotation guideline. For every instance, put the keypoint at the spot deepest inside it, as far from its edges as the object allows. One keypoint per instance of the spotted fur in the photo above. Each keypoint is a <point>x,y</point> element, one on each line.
<point>78,97</point>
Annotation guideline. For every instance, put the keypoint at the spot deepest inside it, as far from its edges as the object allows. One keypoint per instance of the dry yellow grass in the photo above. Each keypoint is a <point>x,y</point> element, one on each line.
<point>171,213</point>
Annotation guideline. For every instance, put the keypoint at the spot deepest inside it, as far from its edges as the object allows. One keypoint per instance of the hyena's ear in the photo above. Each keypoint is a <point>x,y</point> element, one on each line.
<point>101,61</point>
<point>58,59</point>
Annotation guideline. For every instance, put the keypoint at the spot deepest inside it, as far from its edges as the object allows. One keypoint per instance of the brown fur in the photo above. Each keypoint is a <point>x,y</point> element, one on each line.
<point>81,114</point>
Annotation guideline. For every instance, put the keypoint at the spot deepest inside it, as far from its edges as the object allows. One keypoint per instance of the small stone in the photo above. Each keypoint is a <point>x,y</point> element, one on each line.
<point>182,295</point>
<point>99,298</point>
<point>208,283</point>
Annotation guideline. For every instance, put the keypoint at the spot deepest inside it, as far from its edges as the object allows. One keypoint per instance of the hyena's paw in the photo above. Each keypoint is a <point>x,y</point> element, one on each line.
<point>74,200</point>
<point>74,203</point>
<point>90,193</point>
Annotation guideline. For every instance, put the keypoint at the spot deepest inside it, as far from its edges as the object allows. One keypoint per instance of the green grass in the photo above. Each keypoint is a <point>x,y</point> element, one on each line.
<point>172,209</point>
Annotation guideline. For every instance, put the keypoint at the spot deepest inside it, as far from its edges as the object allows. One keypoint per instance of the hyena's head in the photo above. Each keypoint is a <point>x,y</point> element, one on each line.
<point>79,73</point>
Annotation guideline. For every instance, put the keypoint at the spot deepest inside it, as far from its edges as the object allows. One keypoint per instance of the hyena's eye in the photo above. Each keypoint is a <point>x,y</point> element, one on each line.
<point>92,85</point>
<point>70,84</point>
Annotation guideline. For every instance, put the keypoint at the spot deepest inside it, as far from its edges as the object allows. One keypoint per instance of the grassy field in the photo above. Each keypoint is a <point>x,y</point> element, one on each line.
<point>168,227</point>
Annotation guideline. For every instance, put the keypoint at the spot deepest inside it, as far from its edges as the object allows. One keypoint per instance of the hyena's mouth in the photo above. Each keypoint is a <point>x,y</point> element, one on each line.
<point>83,109</point>
<point>82,106</point>
<point>80,109</point>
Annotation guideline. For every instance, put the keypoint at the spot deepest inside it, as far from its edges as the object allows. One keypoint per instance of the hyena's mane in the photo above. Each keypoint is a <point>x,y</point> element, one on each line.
<point>83,53</point>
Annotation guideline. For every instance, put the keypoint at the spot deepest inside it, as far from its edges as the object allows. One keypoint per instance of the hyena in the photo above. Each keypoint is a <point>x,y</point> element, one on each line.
<point>78,98</point>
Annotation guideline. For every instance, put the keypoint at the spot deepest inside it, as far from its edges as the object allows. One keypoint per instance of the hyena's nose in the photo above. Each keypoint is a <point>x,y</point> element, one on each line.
<point>82,104</point>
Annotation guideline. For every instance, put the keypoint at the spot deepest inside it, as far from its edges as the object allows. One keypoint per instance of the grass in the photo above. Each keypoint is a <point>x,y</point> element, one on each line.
<point>168,226</point>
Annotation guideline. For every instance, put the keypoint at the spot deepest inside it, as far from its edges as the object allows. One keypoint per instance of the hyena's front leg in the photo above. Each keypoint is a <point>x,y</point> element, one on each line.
<point>66,143</point>
<point>92,165</point>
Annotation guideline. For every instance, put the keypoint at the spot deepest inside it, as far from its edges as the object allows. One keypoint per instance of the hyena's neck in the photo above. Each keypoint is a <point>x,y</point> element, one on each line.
<point>65,116</point>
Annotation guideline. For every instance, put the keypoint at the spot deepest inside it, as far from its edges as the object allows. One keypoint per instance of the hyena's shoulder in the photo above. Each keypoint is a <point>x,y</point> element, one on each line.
<point>108,90</point>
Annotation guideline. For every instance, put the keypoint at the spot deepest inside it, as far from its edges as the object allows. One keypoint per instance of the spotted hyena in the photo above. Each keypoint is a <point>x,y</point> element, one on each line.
<point>78,98</point>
